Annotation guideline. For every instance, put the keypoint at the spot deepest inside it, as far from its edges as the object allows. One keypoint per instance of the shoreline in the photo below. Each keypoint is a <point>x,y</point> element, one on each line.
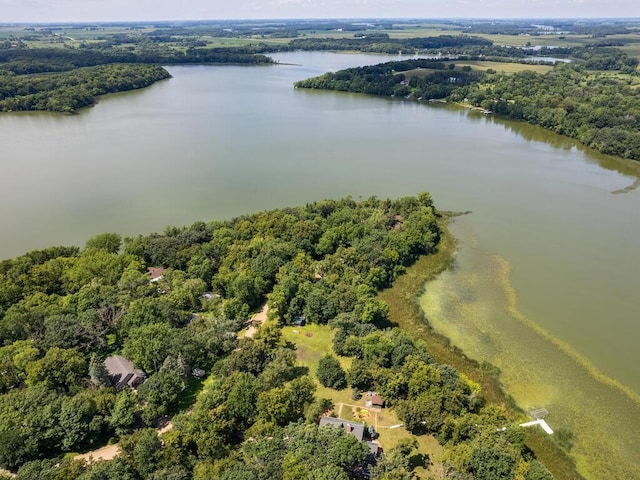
<point>405,312</point>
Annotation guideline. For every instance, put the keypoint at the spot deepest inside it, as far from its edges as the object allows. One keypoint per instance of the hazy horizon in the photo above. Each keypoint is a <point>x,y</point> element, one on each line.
<point>76,11</point>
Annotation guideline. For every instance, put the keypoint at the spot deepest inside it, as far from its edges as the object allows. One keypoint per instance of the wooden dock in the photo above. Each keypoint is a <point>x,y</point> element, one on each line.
<point>540,422</point>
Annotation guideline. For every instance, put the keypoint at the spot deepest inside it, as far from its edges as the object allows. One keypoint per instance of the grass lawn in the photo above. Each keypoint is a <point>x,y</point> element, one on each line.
<point>312,343</point>
<point>632,49</point>
<point>542,40</point>
<point>430,31</point>
<point>215,42</point>
<point>504,66</point>
<point>482,66</point>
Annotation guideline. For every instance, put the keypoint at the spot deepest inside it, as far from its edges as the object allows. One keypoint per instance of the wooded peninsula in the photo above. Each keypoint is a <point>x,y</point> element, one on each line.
<point>175,304</point>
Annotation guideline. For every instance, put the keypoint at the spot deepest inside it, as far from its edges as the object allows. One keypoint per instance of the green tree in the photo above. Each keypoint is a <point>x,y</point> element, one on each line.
<point>98,372</point>
<point>175,472</point>
<point>241,399</point>
<point>37,470</point>
<point>330,373</point>
<point>160,391</point>
<point>110,242</point>
<point>123,415</point>
<point>395,464</point>
<point>147,346</point>
<point>493,457</point>
<point>29,425</point>
<point>96,264</point>
<point>537,471</point>
<point>76,419</point>
<point>14,359</point>
<point>360,376</point>
<point>109,470</point>
<point>26,318</point>
<point>141,451</point>
<point>60,368</point>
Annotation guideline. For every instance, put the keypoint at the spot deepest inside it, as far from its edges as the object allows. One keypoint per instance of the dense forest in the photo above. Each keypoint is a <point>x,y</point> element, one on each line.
<point>382,43</point>
<point>591,100</point>
<point>66,79</point>
<point>44,60</point>
<point>69,91</point>
<point>437,79</point>
<point>63,310</point>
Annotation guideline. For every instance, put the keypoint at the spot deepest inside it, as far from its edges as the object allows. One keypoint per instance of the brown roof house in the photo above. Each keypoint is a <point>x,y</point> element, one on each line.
<point>122,373</point>
<point>156,273</point>
<point>374,400</point>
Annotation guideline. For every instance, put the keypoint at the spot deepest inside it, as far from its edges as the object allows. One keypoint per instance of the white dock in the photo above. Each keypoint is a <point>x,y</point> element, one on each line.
<point>540,422</point>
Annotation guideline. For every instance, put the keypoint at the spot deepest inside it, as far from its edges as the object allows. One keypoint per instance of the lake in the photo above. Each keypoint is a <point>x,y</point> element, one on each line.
<point>547,272</point>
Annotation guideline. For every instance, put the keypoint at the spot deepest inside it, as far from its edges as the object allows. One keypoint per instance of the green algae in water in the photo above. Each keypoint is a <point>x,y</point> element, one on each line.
<point>476,306</point>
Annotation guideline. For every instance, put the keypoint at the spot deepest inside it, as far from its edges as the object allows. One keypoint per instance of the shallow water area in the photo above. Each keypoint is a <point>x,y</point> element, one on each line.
<point>475,304</point>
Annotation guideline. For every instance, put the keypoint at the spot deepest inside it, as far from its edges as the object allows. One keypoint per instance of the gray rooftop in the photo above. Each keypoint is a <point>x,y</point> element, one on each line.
<point>122,373</point>
<point>354,428</point>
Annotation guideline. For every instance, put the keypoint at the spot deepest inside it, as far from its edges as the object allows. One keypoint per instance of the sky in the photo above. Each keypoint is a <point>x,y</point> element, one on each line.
<point>137,10</point>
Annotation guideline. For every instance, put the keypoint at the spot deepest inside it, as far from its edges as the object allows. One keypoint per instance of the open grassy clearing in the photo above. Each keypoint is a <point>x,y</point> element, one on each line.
<point>312,343</point>
<point>214,42</point>
<point>315,341</point>
<point>504,66</point>
<point>483,66</point>
<point>568,40</point>
<point>632,80</point>
<point>632,49</point>
<point>432,31</point>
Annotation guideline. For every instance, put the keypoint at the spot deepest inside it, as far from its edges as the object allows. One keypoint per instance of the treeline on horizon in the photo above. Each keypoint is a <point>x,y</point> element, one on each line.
<point>293,28</point>
<point>382,43</point>
<point>21,61</point>
<point>576,99</point>
<point>67,79</point>
<point>64,309</point>
<point>124,62</point>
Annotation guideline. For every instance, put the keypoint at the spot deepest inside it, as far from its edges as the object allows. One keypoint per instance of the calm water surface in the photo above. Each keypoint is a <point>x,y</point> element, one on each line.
<point>547,274</point>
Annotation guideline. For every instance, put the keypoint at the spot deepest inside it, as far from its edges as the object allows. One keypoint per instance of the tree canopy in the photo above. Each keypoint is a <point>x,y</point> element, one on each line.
<point>256,417</point>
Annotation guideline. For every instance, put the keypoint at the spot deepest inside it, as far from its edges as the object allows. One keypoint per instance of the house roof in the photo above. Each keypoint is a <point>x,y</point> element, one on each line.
<point>354,428</point>
<point>122,372</point>
<point>374,448</point>
<point>156,273</point>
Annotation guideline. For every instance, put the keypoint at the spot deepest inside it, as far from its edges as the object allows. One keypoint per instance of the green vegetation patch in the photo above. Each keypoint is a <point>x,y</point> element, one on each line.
<point>69,91</point>
<point>173,304</point>
<point>505,67</point>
